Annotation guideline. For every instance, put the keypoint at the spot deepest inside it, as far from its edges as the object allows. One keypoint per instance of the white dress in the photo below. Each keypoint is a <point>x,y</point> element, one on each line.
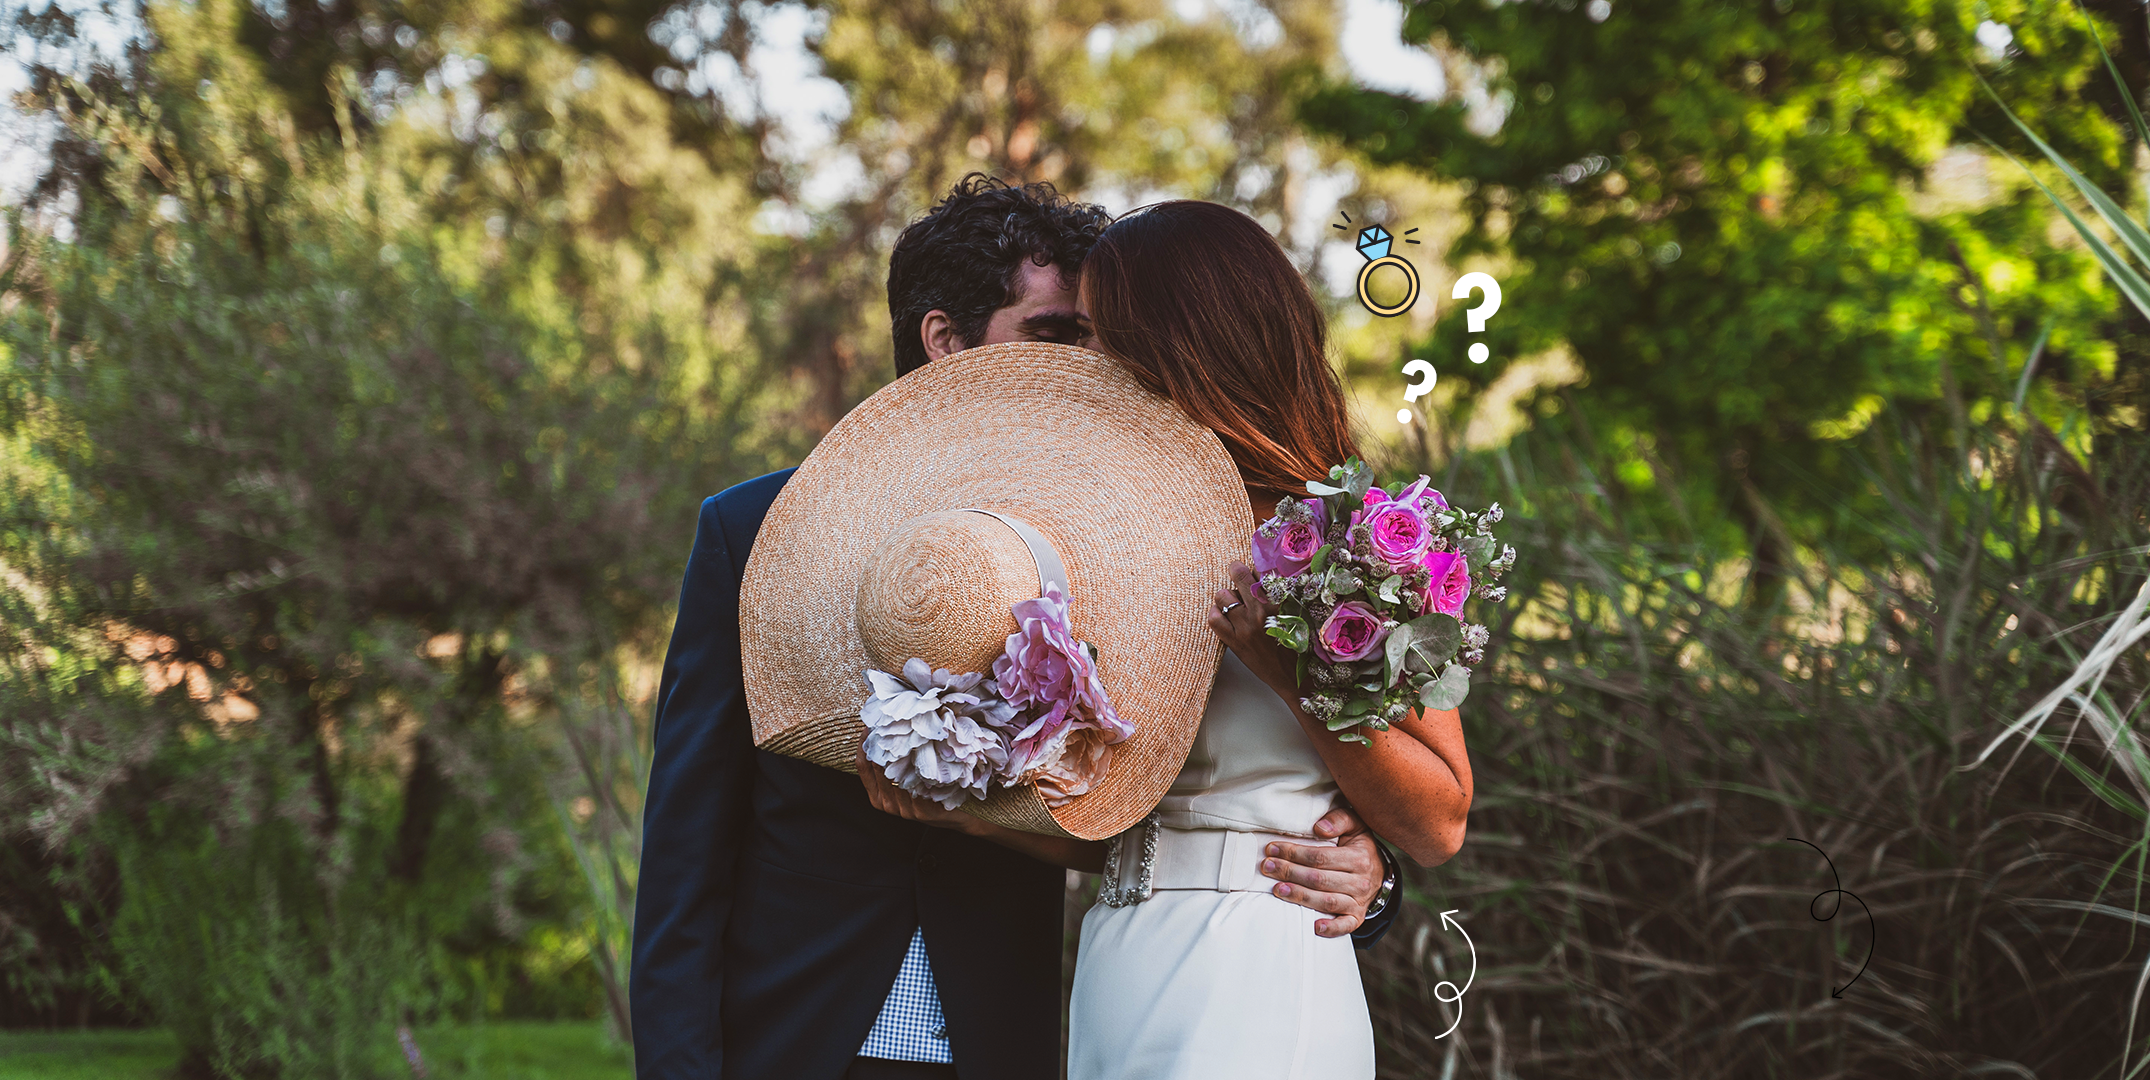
<point>1214,976</point>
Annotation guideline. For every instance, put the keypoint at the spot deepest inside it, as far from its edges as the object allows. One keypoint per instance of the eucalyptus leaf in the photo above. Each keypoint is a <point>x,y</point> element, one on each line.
<point>1435,636</point>
<point>1399,644</point>
<point>1321,559</point>
<point>1353,737</point>
<point>1316,487</point>
<point>1477,551</point>
<point>1356,482</point>
<point>1388,589</point>
<point>1356,707</point>
<point>1448,691</point>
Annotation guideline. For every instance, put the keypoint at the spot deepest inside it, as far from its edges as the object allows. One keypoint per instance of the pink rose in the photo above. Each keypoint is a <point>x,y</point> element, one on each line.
<point>1399,533</point>
<point>1451,582</point>
<point>1352,632</point>
<point>1293,547</point>
<point>1422,497</point>
<point>1048,674</point>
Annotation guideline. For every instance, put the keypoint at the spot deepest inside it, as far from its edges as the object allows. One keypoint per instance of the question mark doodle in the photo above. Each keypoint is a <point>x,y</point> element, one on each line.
<point>1484,310</point>
<point>1425,374</point>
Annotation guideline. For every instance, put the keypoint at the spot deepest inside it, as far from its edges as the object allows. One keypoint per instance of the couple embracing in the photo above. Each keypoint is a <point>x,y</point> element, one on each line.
<point>1090,417</point>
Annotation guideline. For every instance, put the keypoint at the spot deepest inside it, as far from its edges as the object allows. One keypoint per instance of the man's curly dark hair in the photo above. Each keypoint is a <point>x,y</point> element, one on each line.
<point>965,256</point>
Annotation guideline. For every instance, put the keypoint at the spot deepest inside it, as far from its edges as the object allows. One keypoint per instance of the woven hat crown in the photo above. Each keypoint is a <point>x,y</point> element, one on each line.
<point>940,588</point>
<point>872,555</point>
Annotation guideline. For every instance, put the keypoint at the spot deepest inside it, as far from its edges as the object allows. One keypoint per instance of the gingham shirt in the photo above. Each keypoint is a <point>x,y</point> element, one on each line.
<point>911,1027</point>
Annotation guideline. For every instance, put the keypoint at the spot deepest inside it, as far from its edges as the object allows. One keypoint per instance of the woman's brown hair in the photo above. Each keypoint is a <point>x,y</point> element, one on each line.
<point>1204,307</point>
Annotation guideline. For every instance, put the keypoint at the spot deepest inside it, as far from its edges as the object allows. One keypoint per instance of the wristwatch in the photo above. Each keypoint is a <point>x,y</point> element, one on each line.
<point>1388,888</point>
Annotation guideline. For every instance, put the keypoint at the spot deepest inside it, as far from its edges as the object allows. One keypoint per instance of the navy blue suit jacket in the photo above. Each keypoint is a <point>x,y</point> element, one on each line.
<point>775,904</point>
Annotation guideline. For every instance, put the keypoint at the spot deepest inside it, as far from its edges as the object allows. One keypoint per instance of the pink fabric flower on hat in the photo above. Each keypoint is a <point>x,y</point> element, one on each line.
<point>1286,548</point>
<point>1451,584</point>
<point>1066,720</point>
<point>1352,632</point>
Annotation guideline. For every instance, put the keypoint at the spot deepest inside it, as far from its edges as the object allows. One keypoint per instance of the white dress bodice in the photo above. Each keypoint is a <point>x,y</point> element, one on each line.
<point>1220,978</point>
<point>1252,768</point>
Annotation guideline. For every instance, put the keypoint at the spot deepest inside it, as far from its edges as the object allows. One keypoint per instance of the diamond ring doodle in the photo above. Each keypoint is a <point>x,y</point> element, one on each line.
<point>1374,243</point>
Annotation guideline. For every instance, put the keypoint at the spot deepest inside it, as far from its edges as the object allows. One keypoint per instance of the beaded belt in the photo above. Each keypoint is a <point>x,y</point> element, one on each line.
<point>1216,859</point>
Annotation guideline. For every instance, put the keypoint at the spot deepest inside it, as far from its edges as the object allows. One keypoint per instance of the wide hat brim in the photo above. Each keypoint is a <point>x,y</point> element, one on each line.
<point>1143,505</point>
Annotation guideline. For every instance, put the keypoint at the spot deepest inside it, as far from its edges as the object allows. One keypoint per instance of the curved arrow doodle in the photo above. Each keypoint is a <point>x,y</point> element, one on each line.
<point>1456,993</point>
<point>1840,893</point>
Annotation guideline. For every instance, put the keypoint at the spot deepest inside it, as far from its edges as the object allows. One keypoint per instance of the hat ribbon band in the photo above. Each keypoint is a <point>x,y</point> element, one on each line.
<point>1050,570</point>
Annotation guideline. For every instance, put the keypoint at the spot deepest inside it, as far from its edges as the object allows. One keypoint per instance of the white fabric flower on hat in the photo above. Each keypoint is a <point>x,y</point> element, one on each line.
<point>936,734</point>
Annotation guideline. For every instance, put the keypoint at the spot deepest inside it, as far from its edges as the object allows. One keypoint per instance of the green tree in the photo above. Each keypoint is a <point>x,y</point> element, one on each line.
<point>338,463</point>
<point>1722,210</point>
<point>352,434</point>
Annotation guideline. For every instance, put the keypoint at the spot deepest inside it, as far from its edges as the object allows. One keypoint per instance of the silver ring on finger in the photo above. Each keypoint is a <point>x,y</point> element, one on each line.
<point>1227,609</point>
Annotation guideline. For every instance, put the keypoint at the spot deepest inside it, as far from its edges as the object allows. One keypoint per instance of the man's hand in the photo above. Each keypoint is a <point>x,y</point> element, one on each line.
<point>1340,881</point>
<point>890,799</point>
<point>1087,856</point>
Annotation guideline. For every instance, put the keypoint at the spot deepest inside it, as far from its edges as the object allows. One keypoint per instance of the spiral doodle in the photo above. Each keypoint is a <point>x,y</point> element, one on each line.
<point>1839,892</point>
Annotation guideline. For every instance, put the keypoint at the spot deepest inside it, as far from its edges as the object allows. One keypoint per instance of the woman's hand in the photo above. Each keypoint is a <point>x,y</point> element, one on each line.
<point>1238,616</point>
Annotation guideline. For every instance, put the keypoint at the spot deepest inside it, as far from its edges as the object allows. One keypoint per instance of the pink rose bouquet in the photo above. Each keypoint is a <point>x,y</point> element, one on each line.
<point>1370,585</point>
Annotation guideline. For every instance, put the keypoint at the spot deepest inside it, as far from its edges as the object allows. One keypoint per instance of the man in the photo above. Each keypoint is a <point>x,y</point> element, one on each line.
<point>786,928</point>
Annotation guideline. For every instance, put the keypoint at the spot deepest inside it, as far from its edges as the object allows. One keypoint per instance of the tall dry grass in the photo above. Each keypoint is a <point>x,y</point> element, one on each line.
<point>1662,718</point>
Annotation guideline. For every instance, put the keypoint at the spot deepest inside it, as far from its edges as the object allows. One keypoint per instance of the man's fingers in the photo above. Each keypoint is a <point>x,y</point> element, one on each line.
<point>1326,881</point>
<point>1339,822</point>
<point>1328,903</point>
<point>1351,871</point>
<point>1342,859</point>
<point>1339,926</point>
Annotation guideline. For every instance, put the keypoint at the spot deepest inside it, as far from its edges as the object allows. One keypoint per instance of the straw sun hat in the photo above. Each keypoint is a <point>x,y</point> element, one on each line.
<point>869,557</point>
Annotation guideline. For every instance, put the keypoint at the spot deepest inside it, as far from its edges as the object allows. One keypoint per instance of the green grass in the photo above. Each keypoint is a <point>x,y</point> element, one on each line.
<point>85,1055</point>
<point>517,1050</point>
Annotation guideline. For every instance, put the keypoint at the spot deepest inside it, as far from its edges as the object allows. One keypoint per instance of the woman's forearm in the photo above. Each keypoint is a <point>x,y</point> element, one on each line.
<point>1413,785</point>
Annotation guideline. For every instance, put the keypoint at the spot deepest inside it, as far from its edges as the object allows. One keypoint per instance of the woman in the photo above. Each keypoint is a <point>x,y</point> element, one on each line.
<point>1212,978</point>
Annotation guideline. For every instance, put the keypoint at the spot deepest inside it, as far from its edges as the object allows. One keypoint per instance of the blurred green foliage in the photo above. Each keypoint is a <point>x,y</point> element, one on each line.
<point>502,1050</point>
<point>1732,214</point>
<point>365,366</point>
<point>362,366</point>
<point>329,492</point>
<point>1859,477</point>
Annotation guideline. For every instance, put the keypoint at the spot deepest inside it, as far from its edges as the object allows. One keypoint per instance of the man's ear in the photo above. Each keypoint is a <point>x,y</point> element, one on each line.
<point>938,333</point>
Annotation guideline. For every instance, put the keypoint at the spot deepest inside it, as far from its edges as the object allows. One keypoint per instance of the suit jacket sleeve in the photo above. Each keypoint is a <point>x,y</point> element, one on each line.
<point>695,819</point>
